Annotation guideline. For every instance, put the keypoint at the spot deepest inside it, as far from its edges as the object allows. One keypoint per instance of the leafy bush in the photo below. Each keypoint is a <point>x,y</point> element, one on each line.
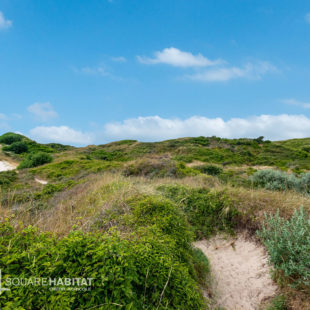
<point>7,177</point>
<point>278,303</point>
<point>17,147</point>
<point>210,169</point>
<point>34,160</point>
<point>279,180</point>
<point>158,168</point>
<point>206,211</point>
<point>9,138</point>
<point>141,270</point>
<point>275,180</point>
<point>201,266</point>
<point>288,244</point>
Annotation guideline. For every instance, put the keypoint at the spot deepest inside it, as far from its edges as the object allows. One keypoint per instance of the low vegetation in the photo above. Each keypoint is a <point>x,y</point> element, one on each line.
<point>126,214</point>
<point>288,244</point>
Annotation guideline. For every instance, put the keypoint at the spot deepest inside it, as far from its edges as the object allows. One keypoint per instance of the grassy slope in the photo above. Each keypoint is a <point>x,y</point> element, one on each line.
<point>87,185</point>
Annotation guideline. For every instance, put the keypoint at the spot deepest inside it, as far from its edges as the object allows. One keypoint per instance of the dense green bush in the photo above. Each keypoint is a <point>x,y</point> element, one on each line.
<point>36,159</point>
<point>151,267</point>
<point>206,211</point>
<point>9,138</point>
<point>288,245</point>
<point>210,169</point>
<point>17,147</point>
<point>158,169</point>
<point>7,177</point>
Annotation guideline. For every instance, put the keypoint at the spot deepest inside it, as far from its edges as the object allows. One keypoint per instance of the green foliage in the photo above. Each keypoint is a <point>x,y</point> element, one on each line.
<point>59,147</point>
<point>9,138</point>
<point>210,169</point>
<point>162,227</point>
<point>206,211</point>
<point>288,245</point>
<point>275,180</point>
<point>35,160</point>
<point>280,180</point>
<point>7,177</point>
<point>108,155</point>
<point>17,147</point>
<point>158,168</point>
<point>73,167</point>
<point>50,189</point>
<point>201,266</point>
<point>278,303</point>
<point>150,211</point>
<point>143,271</point>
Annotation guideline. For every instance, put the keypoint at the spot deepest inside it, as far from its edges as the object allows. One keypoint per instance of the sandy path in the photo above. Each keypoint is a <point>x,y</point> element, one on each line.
<point>5,166</point>
<point>240,272</point>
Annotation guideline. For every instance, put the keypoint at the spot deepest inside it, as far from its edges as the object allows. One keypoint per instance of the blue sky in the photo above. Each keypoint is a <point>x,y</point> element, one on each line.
<point>83,72</point>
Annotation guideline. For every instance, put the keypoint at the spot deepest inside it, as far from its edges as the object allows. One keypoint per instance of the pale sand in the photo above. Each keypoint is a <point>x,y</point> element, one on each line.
<point>240,272</point>
<point>40,181</point>
<point>6,166</point>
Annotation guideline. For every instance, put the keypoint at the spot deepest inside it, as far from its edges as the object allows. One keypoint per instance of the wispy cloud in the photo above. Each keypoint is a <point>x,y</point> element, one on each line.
<point>222,74</point>
<point>155,128</point>
<point>296,102</point>
<point>4,23</point>
<point>177,58</point>
<point>43,111</point>
<point>307,18</point>
<point>119,59</point>
<point>100,70</point>
<point>60,134</point>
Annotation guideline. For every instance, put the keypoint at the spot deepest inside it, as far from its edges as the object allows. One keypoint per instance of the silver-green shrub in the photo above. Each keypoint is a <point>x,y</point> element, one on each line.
<point>276,180</point>
<point>288,245</point>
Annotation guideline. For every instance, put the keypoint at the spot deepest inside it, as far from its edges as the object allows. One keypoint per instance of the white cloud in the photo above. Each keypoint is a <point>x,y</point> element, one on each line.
<point>307,18</point>
<point>60,134</point>
<point>43,112</point>
<point>155,128</point>
<point>4,23</point>
<point>174,57</point>
<point>100,70</point>
<point>249,71</point>
<point>296,102</point>
<point>119,59</point>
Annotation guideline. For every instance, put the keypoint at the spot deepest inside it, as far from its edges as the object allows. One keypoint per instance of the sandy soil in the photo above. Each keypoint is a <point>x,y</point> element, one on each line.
<point>40,181</point>
<point>5,166</point>
<point>240,272</point>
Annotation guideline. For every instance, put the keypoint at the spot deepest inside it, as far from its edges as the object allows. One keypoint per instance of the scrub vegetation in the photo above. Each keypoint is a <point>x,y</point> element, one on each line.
<point>127,214</point>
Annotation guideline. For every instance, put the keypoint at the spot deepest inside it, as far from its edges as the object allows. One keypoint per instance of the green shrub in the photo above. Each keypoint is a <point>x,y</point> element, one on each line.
<point>17,147</point>
<point>210,169</point>
<point>158,169</point>
<point>278,303</point>
<point>36,159</point>
<point>280,180</point>
<point>9,138</point>
<point>275,180</point>
<point>288,245</point>
<point>201,266</point>
<point>138,272</point>
<point>206,211</point>
<point>7,177</point>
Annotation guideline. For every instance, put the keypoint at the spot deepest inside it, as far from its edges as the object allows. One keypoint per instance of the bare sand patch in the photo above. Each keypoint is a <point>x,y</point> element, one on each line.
<point>6,166</point>
<point>240,272</point>
<point>41,181</point>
